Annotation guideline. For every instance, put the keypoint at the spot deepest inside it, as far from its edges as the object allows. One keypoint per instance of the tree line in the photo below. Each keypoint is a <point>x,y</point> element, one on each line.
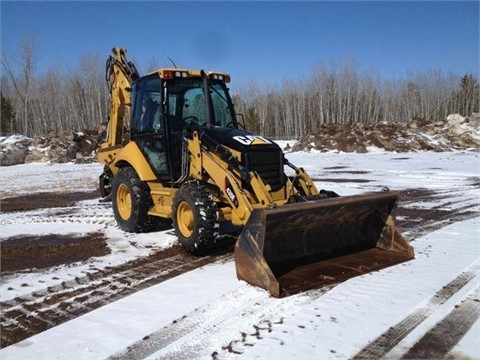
<point>342,94</point>
<point>59,100</point>
<point>77,99</point>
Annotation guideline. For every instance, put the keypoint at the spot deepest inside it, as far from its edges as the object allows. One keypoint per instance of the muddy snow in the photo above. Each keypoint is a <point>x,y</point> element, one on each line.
<point>74,286</point>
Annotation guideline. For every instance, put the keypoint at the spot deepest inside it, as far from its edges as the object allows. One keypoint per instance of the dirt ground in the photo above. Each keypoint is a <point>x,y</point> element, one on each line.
<point>45,200</point>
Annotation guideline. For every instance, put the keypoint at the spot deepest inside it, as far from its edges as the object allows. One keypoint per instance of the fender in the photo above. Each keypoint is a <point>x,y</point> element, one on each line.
<point>133,156</point>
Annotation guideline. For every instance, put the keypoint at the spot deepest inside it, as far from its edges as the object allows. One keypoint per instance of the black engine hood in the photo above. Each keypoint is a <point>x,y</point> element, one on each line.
<point>239,140</point>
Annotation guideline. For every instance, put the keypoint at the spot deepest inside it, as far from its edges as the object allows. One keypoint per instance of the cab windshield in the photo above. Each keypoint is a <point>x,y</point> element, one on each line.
<point>187,103</point>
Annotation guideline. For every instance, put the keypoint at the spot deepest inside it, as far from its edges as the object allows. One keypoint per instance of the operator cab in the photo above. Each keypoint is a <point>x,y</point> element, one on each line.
<point>167,105</point>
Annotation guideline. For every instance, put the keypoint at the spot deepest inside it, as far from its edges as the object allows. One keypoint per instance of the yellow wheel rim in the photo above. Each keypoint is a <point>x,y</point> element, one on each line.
<point>124,202</point>
<point>185,219</point>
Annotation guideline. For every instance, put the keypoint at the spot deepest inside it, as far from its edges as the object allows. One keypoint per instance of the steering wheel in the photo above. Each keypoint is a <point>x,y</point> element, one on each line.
<point>231,123</point>
<point>189,121</point>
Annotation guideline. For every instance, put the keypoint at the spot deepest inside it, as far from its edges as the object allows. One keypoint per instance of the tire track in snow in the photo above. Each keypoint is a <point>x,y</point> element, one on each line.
<point>31,314</point>
<point>185,338</point>
<point>389,339</point>
<point>241,298</point>
<point>434,344</point>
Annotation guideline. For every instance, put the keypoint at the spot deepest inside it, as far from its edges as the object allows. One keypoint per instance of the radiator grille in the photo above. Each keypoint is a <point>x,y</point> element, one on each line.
<point>268,163</point>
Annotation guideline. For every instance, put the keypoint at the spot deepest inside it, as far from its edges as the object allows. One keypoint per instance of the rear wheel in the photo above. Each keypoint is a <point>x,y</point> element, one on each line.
<point>131,202</point>
<point>195,218</point>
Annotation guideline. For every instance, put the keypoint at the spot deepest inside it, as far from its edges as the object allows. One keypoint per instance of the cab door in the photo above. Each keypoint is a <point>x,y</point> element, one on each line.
<point>148,124</point>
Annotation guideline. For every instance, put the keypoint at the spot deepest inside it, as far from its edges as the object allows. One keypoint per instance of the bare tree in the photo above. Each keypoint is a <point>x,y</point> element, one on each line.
<point>153,65</point>
<point>22,79</point>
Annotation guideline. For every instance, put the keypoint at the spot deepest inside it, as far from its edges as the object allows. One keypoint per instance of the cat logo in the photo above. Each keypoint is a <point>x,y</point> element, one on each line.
<point>252,140</point>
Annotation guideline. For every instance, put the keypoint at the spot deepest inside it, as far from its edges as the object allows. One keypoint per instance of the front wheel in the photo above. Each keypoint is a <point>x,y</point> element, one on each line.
<point>195,218</point>
<point>131,202</point>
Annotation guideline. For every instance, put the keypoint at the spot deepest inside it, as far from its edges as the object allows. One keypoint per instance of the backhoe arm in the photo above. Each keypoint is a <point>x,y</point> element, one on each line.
<point>120,74</point>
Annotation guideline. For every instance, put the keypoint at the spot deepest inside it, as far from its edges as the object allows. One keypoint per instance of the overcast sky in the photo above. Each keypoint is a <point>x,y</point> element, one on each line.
<point>266,40</point>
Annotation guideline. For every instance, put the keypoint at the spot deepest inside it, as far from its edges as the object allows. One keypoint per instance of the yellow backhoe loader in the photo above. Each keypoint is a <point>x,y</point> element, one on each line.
<point>175,151</point>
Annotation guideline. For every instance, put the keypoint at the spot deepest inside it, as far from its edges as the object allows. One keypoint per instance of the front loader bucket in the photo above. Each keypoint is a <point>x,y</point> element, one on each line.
<point>301,246</point>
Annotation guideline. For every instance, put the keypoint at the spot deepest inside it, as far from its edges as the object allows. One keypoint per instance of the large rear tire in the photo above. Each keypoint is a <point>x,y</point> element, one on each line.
<point>131,201</point>
<point>195,218</point>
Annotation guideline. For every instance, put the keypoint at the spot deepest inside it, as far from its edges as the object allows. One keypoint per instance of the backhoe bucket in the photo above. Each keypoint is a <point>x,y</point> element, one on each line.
<point>301,246</point>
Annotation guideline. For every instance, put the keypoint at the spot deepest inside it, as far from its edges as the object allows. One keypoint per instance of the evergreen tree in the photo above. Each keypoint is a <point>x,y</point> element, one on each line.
<point>465,101</point>
<point>252,120</point>
<point>7,116</point>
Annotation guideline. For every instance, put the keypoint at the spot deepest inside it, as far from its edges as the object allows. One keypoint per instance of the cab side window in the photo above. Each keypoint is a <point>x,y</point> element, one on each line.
<point>147,117</point>
<point>148,124</point>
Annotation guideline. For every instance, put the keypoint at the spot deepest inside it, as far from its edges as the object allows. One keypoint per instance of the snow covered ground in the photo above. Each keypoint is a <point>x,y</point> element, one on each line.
<point>207,313</point>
